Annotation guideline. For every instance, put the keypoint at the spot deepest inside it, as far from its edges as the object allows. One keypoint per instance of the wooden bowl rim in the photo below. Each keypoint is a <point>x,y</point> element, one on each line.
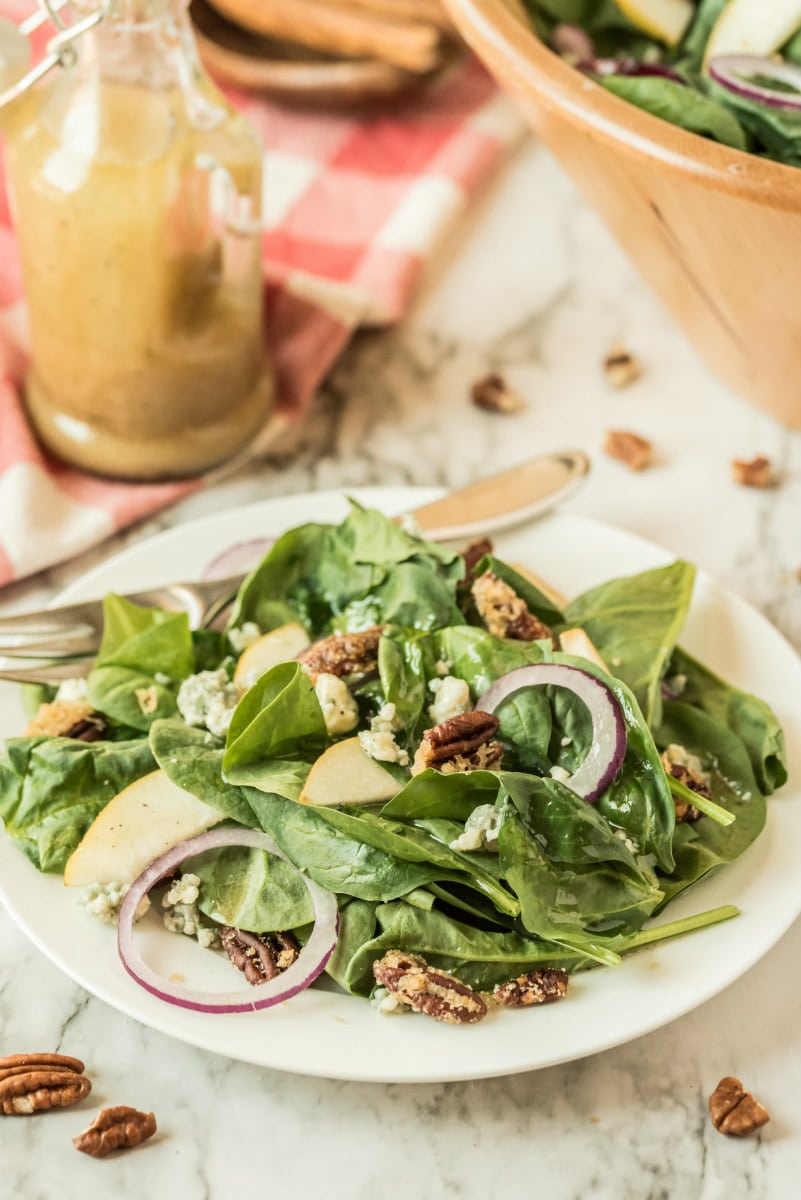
<point>616,121</point>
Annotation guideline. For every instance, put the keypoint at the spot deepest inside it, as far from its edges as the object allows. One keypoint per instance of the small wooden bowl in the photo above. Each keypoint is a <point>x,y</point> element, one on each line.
<point>289,72</point>
<point>715,232</point>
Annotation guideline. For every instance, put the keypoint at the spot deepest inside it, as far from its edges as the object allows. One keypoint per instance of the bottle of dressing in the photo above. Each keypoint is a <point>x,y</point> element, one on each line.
<point>136,195</point>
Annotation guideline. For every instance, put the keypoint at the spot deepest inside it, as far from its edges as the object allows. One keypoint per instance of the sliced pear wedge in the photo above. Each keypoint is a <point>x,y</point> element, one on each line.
<point>753,27</point>
<point>144,820</point>
<point>278,646</point>
<point>665,20</point>
<point>345,774</point>
<point>578,643</point>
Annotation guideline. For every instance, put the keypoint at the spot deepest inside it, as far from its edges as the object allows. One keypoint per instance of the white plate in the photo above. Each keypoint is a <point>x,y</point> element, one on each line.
<point>323,1032</point>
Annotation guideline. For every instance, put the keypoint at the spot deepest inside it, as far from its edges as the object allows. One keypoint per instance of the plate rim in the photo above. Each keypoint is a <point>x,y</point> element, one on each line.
<point>405,496</point>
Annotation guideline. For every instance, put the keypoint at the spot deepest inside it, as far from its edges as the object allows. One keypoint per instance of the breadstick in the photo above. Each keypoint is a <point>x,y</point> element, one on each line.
<point>344,31</point>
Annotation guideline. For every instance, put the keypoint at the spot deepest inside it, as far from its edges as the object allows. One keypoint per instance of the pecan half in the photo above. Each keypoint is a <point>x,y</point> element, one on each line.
<point>343,654</point>
<point>31,1083</point>
<point>621,368</point>
<point>462,743</point>
<point>493,394</point>
<point>629,448</point>
<point>425,989</point>
<point>755,473</point>
<point>67,718</point>
<point>734,1111</point>
<point>259,956</point>
<point>504,612</point>
<point>118,1128</point>
<point>543,986</point>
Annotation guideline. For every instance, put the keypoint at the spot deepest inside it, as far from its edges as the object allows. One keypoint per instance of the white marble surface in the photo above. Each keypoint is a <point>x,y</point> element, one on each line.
<point>532,285</point>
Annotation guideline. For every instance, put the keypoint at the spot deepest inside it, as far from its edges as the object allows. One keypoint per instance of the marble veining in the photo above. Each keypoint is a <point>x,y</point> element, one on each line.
<point>531,285</point>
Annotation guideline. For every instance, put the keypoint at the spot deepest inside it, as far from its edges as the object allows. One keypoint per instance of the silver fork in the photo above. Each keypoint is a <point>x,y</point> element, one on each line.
<point>71,634</point>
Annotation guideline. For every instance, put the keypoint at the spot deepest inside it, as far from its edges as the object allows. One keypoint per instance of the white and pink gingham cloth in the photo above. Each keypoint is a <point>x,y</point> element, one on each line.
<point>353,207</point>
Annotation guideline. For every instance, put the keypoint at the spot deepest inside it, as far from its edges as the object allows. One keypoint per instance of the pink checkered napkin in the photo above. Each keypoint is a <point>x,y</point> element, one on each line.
<point>353,207</point>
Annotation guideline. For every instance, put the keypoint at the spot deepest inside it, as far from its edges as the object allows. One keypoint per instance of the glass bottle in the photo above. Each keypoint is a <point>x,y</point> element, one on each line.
<point>136,194</point>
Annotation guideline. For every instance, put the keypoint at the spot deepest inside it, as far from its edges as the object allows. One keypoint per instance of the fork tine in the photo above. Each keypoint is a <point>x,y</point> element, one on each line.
<point>74,668</point>
<point>49,621</point>
<point>64,646</point>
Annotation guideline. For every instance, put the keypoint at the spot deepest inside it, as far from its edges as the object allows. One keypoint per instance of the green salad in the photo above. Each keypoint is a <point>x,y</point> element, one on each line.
<point>463,788</point>
<point>729,70</point>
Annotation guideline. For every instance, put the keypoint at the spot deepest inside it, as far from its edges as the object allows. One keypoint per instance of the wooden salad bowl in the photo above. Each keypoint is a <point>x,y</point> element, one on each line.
<point>715,232</point>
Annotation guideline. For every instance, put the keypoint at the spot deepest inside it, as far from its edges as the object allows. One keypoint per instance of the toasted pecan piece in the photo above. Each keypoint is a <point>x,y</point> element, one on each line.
<point>67,718</point>
<point>629,448</point>
<point>118,1128</point>
<point>734,1111</point>
<point>543,986</point>
<point>462,743</point>
<point>754,473</point>
<point>427,990</point>
<point>343,654</point>
<point>504,613</point>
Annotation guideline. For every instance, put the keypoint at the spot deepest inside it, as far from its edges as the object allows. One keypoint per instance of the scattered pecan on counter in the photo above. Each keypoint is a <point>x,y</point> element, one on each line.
<point>756,473</point>
<point>32,1083</point>
<point>67,718</point>
<point>538,987</point>
<point>734,1111</point>
<point>259,956</point>
<point>629,448</point>
<point>119,1128</point>
<point>343,654</point>
<point>436,993</point>
<point>504,613</point>
<point>462,743</point>
<point>493,394</point>
<point>621,368</point>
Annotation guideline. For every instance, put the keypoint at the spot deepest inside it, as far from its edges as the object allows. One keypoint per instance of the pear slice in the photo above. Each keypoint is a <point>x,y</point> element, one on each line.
<point>665,20</point>
<point>345,774</point>
<point>753,27</point>
<point>278,646</point>
<point>578,643</point>
<point>142,821</point>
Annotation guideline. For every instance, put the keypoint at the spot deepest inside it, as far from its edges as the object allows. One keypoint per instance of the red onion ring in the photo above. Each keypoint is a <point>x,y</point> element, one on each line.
<point>237,559</point>
<point>309,964</point>
<point>605,756</point>
<point>728,70</point>
<point>631,67</point>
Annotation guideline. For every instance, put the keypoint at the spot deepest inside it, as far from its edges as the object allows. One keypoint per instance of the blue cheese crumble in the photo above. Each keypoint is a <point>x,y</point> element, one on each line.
<point>103,901</point>
<point>340,710</point>
<point>72,690</point>
<point>379,741</point>
<point>181,913</point>
<point>451,698</point>
<point>242,639</point>
<point>480,830</point>
<point>208,700</point>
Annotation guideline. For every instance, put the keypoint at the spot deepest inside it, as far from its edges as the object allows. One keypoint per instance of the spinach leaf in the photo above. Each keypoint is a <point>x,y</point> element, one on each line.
<point>704,845</point>
<point>573,876</point>
<point>415,845</point>
<point>365,571</point>
<point>635,622</point>
<point>750,718</point>
<point>434,795</point>
<point>680,105</point>
<point>406,662</point>
<point>479,958</point>
<point>693,47</point>
<point>778,130</point>
<point>278,776</point>
<point>51,789</point>
<point>141,647</point>
<point>192,759</point>
<point>279,717</point>
<point>357,926</point>
<point>252,890</point>
<point>479,658</point>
